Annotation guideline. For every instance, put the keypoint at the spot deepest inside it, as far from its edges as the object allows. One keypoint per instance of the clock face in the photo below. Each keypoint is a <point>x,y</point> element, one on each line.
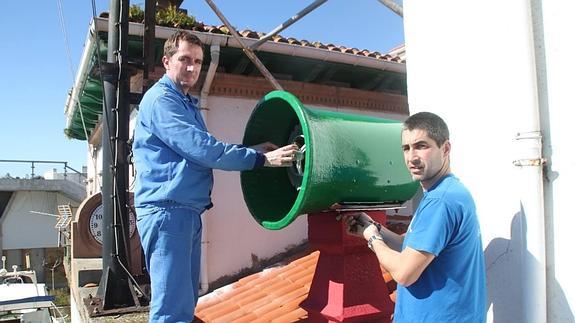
<point>96,226</point>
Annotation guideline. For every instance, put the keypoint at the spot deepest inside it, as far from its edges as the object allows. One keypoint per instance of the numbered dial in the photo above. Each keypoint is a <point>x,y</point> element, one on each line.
<point>96,226</point>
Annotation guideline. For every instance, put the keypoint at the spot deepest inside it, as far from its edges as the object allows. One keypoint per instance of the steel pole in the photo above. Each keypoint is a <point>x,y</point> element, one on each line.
<point>249,53</point>
<point>115,289</point>
<point>288,23</point>
<point>398,9</point>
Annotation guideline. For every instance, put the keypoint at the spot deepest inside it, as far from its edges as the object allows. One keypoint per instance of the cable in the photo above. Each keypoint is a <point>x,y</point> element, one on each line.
<point>66,42</point>
<point>98,61</point>
<point>62,21</point>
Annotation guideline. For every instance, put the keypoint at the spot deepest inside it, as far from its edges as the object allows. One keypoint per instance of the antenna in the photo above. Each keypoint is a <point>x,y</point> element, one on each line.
<point>64,220</point>
<point>44,213</point>
<point>65,216</point>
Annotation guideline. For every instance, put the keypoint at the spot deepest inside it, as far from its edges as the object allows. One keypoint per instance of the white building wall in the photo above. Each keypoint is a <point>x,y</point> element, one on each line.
<point>235,240</point>
<point>94,173</point>
<point>474,63</point>
<point>22,229</point>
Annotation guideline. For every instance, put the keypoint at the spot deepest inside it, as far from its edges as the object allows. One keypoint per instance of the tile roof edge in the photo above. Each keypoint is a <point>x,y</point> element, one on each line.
<point>136,28</point>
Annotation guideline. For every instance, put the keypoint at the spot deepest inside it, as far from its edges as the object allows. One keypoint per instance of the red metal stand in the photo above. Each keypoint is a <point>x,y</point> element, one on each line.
<point>348,285</point>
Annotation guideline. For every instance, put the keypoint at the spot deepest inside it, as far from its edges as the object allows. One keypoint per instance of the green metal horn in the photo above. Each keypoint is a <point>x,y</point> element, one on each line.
<point>344,159</point>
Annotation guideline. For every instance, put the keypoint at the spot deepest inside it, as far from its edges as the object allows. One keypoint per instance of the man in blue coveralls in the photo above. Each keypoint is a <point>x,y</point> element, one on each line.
<point>438,264</point>
<point>174,156</point>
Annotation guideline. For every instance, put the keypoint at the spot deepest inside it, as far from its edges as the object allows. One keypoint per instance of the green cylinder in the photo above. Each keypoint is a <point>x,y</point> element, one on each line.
<point>344,159</point>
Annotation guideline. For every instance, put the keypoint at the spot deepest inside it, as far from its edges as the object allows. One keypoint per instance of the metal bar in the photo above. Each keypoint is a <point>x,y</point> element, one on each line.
<point>149,39</point>
<point>43,162</point>
<point>398,9</point>
<point>31,161</point>
<point>44,213</point>
<point>249,53</point>
<point>287,23</point>
<point>72,169</point>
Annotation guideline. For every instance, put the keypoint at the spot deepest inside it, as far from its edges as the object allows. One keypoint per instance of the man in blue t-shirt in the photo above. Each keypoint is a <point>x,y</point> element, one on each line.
<point>438,264</point>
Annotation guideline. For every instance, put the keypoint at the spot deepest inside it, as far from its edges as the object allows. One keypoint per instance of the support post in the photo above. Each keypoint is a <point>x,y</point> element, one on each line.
<point>348,284</point>
<point>116,291</point>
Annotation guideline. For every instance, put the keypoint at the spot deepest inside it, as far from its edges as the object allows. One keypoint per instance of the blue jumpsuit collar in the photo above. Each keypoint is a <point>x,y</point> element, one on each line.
<point>167,81</point>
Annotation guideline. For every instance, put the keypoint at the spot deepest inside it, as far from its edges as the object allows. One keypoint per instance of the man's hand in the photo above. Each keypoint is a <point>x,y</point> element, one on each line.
<point>281,157</point>
<point>265,147</point>
<point>360,225</point>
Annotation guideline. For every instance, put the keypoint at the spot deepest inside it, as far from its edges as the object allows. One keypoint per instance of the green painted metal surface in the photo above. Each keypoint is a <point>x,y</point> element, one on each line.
<point>348,159</point>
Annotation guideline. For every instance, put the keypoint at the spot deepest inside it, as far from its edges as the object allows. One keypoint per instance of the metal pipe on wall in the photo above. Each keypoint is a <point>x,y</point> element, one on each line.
<point>529,162</point>
<point>215,61</point>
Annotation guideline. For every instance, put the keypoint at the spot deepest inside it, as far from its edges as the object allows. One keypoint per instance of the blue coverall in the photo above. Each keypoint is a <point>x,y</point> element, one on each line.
<point>174,156</point>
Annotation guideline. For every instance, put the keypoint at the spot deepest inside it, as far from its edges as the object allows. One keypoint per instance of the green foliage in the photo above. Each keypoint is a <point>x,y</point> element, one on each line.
<point>225,30</point>
<point>136,13</point>
<point>61,296</point>
<point>170,17</point>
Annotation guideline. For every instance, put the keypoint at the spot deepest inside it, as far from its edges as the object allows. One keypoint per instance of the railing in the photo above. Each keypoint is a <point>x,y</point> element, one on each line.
<point>34,162</point>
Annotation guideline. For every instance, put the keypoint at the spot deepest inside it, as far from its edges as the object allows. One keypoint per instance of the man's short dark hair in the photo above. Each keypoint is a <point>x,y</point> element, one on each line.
<point>435,127</point>
<point>172,43</point>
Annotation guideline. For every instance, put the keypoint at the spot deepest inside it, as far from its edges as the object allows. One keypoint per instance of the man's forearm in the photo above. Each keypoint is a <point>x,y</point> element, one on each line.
<point>392,239</point>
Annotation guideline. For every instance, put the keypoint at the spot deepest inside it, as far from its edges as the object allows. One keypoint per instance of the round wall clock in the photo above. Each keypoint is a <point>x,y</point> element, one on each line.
<point>95,223</point>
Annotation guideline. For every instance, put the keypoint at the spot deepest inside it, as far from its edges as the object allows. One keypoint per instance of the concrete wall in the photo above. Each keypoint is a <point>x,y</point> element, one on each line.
<point>22,229</point>
<point>79,178</point>
<point>487,67</point>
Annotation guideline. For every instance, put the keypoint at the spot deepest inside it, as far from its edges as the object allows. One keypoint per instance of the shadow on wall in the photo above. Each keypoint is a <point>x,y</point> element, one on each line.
<point>504,272</point>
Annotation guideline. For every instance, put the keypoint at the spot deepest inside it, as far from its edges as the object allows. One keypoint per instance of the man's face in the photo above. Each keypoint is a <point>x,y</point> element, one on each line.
<point>184,67</point>
<point>425,161</point>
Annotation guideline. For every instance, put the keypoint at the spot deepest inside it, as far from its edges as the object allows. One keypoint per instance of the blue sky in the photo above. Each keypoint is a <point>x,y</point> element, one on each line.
<point>37,73</point>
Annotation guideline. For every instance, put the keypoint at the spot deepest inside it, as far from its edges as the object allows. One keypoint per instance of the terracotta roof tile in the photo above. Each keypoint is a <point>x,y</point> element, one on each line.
<point>305,280</point>
<point>277,285</point>
<point>248,318</point>
<point>213,315</point>
<point>272,295</point>
<point>396,54</point>
<point>292,316</point>
<point>294,41</point>
<point>249,34</point>
<point>263,310</point>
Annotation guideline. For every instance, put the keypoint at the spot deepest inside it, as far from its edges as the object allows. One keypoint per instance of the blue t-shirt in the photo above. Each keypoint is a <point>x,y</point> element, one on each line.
<point>452,288</point>
<point>174,154</point>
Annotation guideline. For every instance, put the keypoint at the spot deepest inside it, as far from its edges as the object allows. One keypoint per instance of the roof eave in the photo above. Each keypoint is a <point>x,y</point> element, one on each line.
<point>81,75</point>
<point>162,32</point>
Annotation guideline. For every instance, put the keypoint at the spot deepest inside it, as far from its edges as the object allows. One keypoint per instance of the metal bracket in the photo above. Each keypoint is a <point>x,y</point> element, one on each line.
<point>95,307</point>
<point>363,206</point>
<point>530,162</point>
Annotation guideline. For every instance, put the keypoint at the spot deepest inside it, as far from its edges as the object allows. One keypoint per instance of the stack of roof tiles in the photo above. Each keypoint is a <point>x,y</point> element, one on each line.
<point>272,295</point>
